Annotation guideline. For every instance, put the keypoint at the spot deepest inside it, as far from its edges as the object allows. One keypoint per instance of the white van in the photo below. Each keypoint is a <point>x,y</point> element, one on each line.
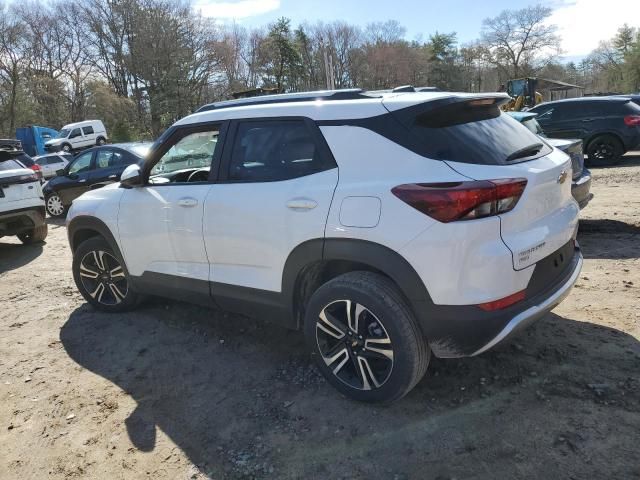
<point>78,135</point>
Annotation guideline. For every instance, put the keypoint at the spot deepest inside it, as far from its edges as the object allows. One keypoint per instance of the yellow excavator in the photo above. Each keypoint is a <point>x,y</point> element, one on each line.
<point>523,94</point>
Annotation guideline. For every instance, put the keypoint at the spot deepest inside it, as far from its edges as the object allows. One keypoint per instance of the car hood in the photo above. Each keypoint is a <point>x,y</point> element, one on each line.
<point>55,141</point>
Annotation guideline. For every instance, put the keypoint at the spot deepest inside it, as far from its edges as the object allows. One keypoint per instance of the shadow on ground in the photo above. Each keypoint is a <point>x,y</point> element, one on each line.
<point>16,255</point>
<point>631,159</point>
<point>242,399</point>
<point>610,239</point>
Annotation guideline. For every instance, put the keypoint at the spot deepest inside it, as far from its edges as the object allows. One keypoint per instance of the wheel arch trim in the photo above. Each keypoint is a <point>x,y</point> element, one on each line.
<point>87,223</point>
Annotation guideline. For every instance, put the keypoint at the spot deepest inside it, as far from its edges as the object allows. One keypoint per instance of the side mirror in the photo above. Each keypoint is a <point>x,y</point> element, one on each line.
<point>131,177</point>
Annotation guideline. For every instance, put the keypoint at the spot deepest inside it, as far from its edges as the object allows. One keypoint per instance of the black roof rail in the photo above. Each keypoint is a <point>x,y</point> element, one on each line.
<point>344,94</point>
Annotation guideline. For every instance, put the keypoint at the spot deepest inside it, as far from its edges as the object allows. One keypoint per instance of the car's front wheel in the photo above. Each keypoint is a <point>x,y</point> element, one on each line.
<point>55,207</point>
<point>66,147</point>
<point>365,339</point>
<point>101,276</point>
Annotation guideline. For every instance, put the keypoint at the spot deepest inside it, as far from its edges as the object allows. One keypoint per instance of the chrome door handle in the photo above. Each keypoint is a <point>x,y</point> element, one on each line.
<point>187,202</point>
<point>113,176</point>
<point>83,180</point>
<point>302,204</point>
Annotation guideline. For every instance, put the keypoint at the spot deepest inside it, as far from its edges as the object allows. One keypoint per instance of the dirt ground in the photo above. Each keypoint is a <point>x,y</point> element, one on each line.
<point>180,392</point>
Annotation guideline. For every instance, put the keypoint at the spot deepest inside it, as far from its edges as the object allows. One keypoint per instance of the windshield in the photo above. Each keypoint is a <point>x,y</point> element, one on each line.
<point>533,126</point>
<point>64,133</point>
<point>140,150</point>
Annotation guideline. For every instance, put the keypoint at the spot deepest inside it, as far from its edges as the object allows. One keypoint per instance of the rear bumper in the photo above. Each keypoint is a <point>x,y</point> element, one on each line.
<point>536,312</point>
<point>466,330</point>
<point>581,189</point>
<point>21,220</point>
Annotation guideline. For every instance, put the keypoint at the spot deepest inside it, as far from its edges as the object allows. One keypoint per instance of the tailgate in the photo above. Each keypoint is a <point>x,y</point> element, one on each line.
<point>546,216</point>
<point>18,184</point>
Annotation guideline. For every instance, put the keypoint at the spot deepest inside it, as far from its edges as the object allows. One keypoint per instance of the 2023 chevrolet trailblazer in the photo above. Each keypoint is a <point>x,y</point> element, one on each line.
<point>387,226</point>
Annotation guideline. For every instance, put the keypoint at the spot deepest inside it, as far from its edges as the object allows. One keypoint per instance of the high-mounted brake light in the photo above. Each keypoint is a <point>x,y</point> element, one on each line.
<point>632,120</point>
<point>449,202</point>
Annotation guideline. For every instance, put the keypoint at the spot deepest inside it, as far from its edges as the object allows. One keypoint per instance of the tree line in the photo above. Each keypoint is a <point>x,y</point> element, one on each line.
<point>139,65</point>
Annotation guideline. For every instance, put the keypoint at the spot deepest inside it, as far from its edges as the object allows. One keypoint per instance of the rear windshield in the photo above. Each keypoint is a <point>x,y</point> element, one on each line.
<point>9,164</point>
<point>476,135</point>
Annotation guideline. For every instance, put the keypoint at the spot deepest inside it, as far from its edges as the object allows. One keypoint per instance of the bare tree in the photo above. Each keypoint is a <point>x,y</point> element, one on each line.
<point>521,40</point>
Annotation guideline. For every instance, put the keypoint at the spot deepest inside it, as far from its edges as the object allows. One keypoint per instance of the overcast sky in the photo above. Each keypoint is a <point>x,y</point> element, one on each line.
<point>583,23</point>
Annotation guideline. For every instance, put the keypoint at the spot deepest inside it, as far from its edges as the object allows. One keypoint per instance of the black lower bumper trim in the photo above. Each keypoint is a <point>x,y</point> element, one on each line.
<point>462,330</point>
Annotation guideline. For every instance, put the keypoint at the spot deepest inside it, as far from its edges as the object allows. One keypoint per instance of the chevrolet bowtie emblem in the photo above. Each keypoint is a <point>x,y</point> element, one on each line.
<point>562,177</point>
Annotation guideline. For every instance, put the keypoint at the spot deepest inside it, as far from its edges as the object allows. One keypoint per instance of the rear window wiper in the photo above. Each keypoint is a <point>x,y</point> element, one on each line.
<point>525,152</point>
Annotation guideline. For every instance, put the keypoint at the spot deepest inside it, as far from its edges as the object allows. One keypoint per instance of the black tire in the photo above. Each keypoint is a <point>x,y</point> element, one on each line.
<point>54,206</point>
<point>100,141</point>
<point>604,150</point>
<point>35,235</point>
<point>102,277</point>
<point>66,147</point>
<point>384,318</point>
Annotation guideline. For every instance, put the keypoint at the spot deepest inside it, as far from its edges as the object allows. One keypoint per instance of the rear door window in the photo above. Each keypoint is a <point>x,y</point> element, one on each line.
<point>87,130</point>
<point>267,151</point>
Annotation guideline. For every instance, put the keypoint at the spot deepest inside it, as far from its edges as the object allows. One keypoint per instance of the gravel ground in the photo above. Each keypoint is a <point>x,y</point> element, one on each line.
<point>176,391</point>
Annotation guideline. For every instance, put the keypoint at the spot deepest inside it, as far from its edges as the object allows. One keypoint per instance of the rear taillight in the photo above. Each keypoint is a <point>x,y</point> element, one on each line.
<point>449,202</point>
<point>35,167</point>
<point>503,302</point>
<point>632,120</point>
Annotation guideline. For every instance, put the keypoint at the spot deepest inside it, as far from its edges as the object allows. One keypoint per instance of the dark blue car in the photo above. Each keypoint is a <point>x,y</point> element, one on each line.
<point>581,181</point>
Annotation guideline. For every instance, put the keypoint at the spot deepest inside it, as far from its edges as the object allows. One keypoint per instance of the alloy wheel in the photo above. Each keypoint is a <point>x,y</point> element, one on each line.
<point>354,345</point>
<point>603,150</point>
<point>103,277</point>
<point>55,206</point>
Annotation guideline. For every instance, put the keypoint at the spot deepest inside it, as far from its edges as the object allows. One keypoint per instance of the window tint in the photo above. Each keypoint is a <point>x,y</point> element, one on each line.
<point>9,164</point>
<point>103,158</point>
<point>53,160</point>
<point>82,163</point>
<point>87,130</point>
<point>74,133</point>
<point>270,151</point>
<point>486,141</point>
<point>192,151</point>
<point>25,159</point>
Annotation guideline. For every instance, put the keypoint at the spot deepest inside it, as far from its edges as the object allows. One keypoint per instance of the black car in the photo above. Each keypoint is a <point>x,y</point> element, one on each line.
<point>581,179</point>
<point>608,126</point>
<point>88,170</point>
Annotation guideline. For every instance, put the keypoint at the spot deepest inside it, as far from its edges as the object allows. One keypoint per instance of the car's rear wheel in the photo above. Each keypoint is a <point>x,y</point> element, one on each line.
<point>604,150</point>
<point>100,141</point>
<point>101,276</point>
<point>35,235</point>
<point>55,207</point>
<point>364,338</point>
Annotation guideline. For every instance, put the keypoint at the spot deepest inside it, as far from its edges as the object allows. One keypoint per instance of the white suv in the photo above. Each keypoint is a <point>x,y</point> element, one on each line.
<point>387,226</point>
<point>21,200</point>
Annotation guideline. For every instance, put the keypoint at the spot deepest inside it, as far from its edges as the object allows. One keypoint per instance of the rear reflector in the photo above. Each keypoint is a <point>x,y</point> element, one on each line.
<point>503,302</point>
<point>632,120</point>
<point>449,202</point>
